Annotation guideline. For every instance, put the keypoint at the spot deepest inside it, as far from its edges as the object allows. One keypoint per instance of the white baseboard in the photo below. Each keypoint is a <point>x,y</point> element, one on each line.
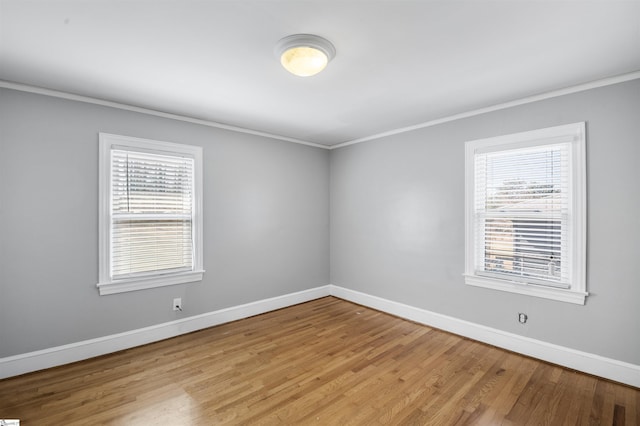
<point>582,361</point>
<point>59,355</point>
<point>597,365</point>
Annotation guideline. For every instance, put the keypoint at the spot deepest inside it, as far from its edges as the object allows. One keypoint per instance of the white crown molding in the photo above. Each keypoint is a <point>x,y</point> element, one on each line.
<point>553,94</point>
<point>608,368</point>
<point>597,365</point>
<point>573,89</point>
<point>102,102</point>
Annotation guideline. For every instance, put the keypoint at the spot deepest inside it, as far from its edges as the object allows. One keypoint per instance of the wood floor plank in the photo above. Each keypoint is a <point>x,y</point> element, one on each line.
<point>327,361</point>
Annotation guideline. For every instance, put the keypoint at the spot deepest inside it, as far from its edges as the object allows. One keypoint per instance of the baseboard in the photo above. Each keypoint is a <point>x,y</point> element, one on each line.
<point>60,355</point>
<point>607,368</point>
<point>582,361</point>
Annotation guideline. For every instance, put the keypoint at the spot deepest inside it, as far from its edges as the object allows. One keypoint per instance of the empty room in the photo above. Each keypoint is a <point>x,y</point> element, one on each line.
<point>319,212</point>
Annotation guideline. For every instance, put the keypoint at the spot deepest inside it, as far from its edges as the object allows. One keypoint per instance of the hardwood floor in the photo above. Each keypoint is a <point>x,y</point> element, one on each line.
<point>323,362</point>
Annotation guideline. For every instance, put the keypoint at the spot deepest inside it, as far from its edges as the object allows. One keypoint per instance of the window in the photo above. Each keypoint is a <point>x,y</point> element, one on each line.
<point>150,214</point>
<point>525,213</point>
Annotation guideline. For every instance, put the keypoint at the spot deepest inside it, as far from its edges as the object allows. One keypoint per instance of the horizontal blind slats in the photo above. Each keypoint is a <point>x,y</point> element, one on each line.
<point>151,206</point>
<point>522,207</point>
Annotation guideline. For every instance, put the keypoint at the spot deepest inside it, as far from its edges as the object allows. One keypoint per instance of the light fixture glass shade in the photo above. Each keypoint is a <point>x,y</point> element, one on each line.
<point>304,61</point>
<point>304,54</point>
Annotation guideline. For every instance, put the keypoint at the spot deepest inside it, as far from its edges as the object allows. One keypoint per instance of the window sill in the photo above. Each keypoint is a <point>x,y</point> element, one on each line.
<point>562,295</point>
<point>121,286</point>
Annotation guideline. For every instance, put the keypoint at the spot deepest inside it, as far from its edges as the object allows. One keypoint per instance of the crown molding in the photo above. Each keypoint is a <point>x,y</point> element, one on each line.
<point>95,101</point>
<point>547,95</point>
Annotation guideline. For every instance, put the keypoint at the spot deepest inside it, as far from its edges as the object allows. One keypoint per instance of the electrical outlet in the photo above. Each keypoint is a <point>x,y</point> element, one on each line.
<point>522,317</point>
<point>177,304</point>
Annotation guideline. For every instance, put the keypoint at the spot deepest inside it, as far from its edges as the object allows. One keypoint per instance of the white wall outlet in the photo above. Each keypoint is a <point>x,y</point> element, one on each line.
<point>177,304</point>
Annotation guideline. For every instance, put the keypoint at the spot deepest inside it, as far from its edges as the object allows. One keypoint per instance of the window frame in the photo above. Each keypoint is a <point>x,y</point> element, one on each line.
<point>576,133</point>
<point>106,285</point>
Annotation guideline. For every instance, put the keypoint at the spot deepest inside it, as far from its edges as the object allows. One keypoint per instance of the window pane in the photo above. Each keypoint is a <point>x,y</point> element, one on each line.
<point>521,207</point>
<point>141,246</point>
<point>151,199</point>
<point>524,247</point>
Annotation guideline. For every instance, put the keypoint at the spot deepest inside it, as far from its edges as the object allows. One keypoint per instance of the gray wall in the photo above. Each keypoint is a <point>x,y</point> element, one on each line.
<point>266,224</point>
<point>397,222</point>
<point>396,210</point>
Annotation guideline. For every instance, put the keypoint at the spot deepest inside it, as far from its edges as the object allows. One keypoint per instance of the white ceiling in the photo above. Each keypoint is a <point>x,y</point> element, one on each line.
<point>398,63</point>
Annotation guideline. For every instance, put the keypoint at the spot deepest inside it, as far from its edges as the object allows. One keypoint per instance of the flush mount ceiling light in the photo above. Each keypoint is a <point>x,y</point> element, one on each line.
<point>305,54</point>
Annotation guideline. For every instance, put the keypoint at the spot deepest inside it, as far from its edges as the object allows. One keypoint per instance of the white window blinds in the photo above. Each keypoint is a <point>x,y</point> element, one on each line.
<point>151,213</point>
<point>522,212</point>
<point>525,213</point>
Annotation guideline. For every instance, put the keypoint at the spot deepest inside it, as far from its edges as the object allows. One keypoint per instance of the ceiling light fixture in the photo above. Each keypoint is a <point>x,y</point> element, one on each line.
<point>305,54</point>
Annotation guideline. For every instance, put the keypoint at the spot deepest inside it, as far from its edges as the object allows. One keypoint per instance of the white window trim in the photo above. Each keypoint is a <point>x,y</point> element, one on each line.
<point>105,284</point>
<point>576,133</point>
